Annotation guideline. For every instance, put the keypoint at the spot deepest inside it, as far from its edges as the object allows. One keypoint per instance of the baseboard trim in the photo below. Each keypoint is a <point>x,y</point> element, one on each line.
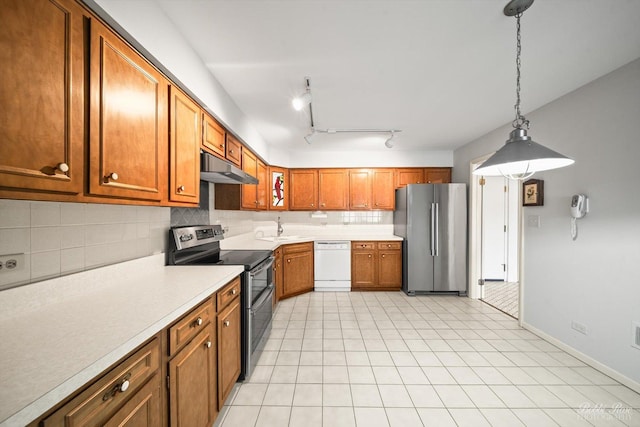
<point>622,379</point>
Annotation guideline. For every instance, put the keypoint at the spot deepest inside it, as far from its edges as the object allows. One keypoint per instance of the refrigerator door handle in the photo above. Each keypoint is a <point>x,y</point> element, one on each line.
<point>436,230</point>
<point>433,229</point>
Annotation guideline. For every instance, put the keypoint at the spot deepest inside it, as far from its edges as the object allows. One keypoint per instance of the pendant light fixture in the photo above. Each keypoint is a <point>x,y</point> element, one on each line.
<point>520,157</point>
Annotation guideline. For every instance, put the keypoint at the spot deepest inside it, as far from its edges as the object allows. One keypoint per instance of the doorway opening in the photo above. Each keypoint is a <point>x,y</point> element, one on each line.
<point>495,241</point>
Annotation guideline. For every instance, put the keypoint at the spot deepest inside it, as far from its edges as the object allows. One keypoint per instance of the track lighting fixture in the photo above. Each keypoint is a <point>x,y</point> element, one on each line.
<point>389,142</point>
<point>520,157</point>
<point>305,99</point>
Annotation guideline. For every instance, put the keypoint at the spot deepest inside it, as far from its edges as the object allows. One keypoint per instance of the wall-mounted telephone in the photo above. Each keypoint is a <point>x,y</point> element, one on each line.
<point>579,205</point>
<point>579,208</point>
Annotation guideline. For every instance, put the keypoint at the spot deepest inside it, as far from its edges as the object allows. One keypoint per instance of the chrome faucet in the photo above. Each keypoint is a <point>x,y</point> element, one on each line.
<point>280,230</point>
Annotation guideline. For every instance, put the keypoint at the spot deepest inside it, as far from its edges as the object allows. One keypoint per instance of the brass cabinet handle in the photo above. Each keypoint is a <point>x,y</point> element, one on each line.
<point>289,260</point>
<point>226,323</point>
<point>197,322</point>
<point>382,255</point>
<point>234,291</point>
<point>207,344</point>
<point>369,255</point>
<point>63,167</point>
<point>180,189</point>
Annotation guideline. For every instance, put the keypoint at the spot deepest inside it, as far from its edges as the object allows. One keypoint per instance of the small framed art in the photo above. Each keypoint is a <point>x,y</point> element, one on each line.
<point>533,193</point>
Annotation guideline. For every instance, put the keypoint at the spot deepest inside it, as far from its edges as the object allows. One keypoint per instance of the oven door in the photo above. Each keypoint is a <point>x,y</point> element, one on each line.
<point>259,312</point>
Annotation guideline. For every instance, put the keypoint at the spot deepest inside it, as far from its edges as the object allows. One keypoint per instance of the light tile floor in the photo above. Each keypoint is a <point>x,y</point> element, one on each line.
<point>385,359</point>
<point>503,295</point>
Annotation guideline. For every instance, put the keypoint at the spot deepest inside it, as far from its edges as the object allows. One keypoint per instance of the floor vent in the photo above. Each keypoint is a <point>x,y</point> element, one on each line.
<point>636,335</point>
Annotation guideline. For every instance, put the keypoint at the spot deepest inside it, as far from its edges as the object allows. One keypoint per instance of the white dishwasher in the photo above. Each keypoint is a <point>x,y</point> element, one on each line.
<point>332,265</point>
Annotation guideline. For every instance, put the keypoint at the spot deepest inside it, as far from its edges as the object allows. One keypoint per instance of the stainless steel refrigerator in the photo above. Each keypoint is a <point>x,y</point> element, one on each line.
<point>432,219</point>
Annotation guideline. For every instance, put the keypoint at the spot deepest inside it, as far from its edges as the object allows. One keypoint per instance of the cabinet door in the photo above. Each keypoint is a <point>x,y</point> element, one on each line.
<point>213,138</point>
<point>278,276</point>
<point>303,191</point>
<point>278,189</point>
<point>249,192</point>
<point>185,142</point>
<point>298,273</point>
<point>128,131</point>
<point>262,188</point>
<point>359,189</point>
<point>333,186</point>
<point>234,150</point>
<point>192,382</point>
<point>228,350</point>
<point>437,175</point>
<point>409,176</point>
<point>141,410</point>
<point>390,268</point>
<point>41,95</point>
<point>383,189</point>
<point>363,268</point>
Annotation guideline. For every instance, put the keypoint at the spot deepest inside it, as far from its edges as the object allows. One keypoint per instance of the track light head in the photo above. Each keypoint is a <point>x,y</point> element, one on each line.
<point>389,142</point>
<point>309,138</point>
<point>302,101</point>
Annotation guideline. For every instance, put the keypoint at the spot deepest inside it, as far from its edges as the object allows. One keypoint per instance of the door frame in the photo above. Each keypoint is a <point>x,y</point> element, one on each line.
<point>475,237</point>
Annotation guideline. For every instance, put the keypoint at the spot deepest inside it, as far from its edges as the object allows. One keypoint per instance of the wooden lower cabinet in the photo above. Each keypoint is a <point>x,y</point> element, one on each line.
<point>181,377</point>
<point>278,274</point>
<point>376,266</point>
<point>193,382</point>
<point>228,324</point>
<point>129,394</point>
<point>297,268</point>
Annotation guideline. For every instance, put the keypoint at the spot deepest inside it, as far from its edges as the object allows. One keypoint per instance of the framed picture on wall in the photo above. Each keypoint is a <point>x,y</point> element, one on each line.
<point>279,188</point>
<point>533,192</point>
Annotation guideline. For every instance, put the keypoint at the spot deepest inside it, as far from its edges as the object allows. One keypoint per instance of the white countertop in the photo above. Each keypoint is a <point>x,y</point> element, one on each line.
<point>255,240</point>
<point>59,334</point>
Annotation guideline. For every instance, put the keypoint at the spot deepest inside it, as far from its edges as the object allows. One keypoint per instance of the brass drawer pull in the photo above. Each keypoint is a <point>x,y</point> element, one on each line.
<point>197,322</point>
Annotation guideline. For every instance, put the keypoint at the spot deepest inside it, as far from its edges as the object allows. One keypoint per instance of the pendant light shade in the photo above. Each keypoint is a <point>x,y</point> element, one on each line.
<point>521,157</point>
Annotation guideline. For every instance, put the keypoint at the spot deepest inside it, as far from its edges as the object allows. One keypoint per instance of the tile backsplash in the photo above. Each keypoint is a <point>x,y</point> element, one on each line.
<point>62,238</point>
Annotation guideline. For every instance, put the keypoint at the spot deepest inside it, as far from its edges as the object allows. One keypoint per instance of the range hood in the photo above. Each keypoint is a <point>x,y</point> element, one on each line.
<point>214,169</point>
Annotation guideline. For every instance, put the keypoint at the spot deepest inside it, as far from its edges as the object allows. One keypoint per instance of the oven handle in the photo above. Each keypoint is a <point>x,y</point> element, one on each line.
<point>266,264</point>
<point>266,295</point>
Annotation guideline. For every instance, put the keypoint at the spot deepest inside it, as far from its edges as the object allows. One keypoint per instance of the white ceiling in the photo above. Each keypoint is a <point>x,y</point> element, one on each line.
<point>443,71</point>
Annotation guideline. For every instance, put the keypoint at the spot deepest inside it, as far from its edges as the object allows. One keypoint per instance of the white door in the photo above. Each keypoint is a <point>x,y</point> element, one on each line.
<point>494,228</point>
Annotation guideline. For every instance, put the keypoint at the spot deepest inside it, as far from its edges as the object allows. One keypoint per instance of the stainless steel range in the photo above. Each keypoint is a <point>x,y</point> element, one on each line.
<point>200,245</point>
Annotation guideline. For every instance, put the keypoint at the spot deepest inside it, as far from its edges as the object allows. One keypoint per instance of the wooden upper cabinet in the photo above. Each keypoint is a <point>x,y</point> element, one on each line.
<point>278,191</point>
<point>359,189</point>
<point>262,189</point>
<point>128,125</point>
<point>303,191</point>
<point>249,191</point>
<point>437,175</point>
<point>234,150</point>
<point>42,95</point>
<point>333,189</point>
<point>214,136</point>
<point>383,189</point>
<point>409,176</point>
<point>184,148</point>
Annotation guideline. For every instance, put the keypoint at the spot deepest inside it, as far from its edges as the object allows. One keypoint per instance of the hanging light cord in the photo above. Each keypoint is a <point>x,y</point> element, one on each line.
<point>520,120</point>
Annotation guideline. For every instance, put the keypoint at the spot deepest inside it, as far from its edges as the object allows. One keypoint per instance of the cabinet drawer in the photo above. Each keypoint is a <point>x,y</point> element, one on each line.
<point>389,245</point>
<point>363,245</point>
<point>228,293</point>
<point>109,393</point>
<point>189,326</point>
<point>297,247</point>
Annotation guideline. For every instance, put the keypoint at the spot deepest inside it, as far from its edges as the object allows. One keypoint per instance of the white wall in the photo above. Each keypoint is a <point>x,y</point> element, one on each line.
<point>593,280</point>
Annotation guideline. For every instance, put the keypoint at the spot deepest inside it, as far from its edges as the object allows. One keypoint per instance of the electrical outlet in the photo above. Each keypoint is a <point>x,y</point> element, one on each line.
<point>11,262</point>
<point>533,221</point>
<point>579,327</point>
